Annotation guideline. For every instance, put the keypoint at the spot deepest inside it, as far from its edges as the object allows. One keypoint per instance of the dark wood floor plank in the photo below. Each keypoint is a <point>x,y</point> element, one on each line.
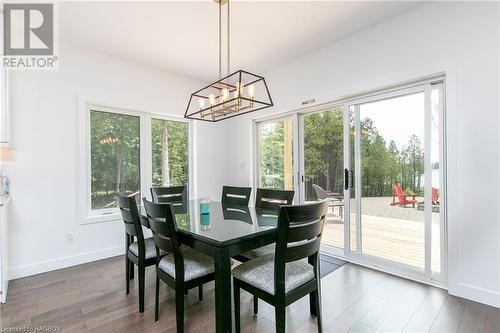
<point>492,321</point>
<point>91,298</point>
<point>450,315</point>
<point>389,303</point>
<point>473,318</point>
<point>421,320</point>
<point>398,319</point>
<point>352,313</point>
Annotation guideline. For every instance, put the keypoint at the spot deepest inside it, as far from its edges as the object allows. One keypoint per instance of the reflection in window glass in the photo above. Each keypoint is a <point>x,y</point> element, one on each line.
<point>170,149</point>
<point>324,168</point>
<point>115,157</point>
<point>276,155</point>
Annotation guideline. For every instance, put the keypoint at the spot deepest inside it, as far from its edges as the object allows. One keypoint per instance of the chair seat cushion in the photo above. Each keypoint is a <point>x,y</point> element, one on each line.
<point>259,272</point>
<point>261,251</point>
<point>196,264</point>
<point>150,248</point>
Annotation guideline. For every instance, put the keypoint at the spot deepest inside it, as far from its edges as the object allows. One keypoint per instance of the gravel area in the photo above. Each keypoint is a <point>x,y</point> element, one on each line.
<point>381,206</point>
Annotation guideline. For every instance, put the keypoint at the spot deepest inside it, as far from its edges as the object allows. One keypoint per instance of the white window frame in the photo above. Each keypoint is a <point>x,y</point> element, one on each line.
<point>86,214</point>
<point>256,150</point>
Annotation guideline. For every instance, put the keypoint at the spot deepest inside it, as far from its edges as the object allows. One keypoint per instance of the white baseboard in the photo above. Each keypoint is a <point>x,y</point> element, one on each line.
<point>477,294</point>
<point>58,263</point>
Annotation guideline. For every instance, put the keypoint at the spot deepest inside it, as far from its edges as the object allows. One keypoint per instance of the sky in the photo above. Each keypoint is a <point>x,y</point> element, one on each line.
<point>398,118</point>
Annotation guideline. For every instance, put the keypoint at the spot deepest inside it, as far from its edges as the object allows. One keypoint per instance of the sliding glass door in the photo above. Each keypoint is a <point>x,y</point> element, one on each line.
<point>322,139</point>
<point>396,184</point>
<point>378,159</point>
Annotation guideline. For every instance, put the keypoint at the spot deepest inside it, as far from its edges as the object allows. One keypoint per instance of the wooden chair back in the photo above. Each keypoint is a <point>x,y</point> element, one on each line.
<point>169,194</point>
<point>132,222</point>
<point>299,236</point>
<point>236,195</point>
<point>273,199</point>
<point>398,191</point>
<point>162,223</point>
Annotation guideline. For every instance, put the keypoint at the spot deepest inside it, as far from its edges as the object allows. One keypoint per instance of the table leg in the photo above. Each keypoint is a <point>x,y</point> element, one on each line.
<point>223,311</point>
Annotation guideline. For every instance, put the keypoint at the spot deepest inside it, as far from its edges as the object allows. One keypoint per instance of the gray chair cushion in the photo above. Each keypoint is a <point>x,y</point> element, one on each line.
<point>196,264</point>
<point>150,248</point>
<point>259,272</point>
<point>261,251</point>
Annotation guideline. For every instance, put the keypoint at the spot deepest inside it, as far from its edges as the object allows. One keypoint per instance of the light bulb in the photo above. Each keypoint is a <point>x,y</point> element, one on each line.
<point>237,90</point>
<point>225,94</point>
<point>251,91</point>
<point>211,99</point>
<point>202,104</point>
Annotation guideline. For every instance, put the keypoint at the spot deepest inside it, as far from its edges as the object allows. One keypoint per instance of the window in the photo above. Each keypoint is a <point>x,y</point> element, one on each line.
<point>127,153</point>
<point>170,152</point>
<point>115,161</point>
<point>276,154</point>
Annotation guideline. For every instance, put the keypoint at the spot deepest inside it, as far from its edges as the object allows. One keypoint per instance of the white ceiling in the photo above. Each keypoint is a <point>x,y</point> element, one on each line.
<point>182,36</point>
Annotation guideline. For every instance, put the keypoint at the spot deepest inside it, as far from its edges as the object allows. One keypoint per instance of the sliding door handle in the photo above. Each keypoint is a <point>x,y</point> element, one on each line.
<point>346,179</point>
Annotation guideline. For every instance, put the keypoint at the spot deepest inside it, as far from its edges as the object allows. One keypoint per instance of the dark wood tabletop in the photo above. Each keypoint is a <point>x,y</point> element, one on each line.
<point>228,230</point>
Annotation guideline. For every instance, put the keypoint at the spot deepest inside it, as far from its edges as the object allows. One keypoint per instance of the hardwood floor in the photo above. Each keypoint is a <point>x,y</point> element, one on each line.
<point>91,298</point>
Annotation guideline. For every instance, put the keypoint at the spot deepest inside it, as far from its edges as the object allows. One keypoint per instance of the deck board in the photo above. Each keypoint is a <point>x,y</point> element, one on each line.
<point>400,241</point>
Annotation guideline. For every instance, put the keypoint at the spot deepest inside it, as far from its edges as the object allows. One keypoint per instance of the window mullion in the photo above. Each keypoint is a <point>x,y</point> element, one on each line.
<point>146,155</point>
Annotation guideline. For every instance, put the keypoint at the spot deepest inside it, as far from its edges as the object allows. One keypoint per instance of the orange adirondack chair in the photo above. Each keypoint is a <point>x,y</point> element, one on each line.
<point>435,196</point>
<point>397,192</point>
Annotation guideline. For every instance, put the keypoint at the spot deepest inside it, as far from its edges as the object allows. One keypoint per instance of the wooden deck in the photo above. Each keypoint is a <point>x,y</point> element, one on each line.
<point>397,240</point>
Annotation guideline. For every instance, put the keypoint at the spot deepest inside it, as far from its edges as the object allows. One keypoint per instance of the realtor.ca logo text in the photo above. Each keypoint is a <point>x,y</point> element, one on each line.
<point>30,32</point>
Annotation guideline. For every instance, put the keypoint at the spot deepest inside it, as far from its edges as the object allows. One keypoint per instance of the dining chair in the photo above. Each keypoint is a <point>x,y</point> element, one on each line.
<point>169,194</point>
<point>140,252</point>
<point>273,199</point>
<point>184,268</point>
<point>285,277</point>
<point>236,195</point>
<point>269,200</point>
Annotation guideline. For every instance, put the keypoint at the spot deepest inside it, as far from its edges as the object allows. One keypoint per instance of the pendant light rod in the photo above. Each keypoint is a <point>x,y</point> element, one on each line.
<point>220,40</point>
<point>228,41</point>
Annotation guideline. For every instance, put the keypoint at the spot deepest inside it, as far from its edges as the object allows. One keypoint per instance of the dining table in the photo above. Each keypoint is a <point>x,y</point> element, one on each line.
<point>226,231</point>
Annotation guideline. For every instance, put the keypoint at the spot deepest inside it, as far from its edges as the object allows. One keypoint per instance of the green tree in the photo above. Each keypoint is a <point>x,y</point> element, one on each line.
<point>115,156</point>
<point>272,155</point>
<point>415,168</point>
<point>170,148</point>
<point>324,151</point>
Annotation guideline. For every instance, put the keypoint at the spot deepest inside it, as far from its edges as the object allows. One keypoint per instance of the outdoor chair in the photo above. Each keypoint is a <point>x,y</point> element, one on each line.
<point>335,199</point>
<point>397,192</point>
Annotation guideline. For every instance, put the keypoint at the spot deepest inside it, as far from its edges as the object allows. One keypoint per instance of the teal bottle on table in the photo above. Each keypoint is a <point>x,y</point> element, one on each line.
<point>205,222</point>
<point>204,206</point>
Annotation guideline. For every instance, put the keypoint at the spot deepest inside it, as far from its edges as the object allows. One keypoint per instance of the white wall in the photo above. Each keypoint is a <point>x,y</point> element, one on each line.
<point>461,39</point>
<point>44,174</point>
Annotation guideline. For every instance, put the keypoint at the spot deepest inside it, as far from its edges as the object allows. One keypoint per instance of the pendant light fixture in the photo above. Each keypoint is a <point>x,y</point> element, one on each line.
<point>234,94</point>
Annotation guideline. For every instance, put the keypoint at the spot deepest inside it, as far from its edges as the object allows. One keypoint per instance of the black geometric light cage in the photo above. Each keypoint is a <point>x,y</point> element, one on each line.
<point>238,93</point>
